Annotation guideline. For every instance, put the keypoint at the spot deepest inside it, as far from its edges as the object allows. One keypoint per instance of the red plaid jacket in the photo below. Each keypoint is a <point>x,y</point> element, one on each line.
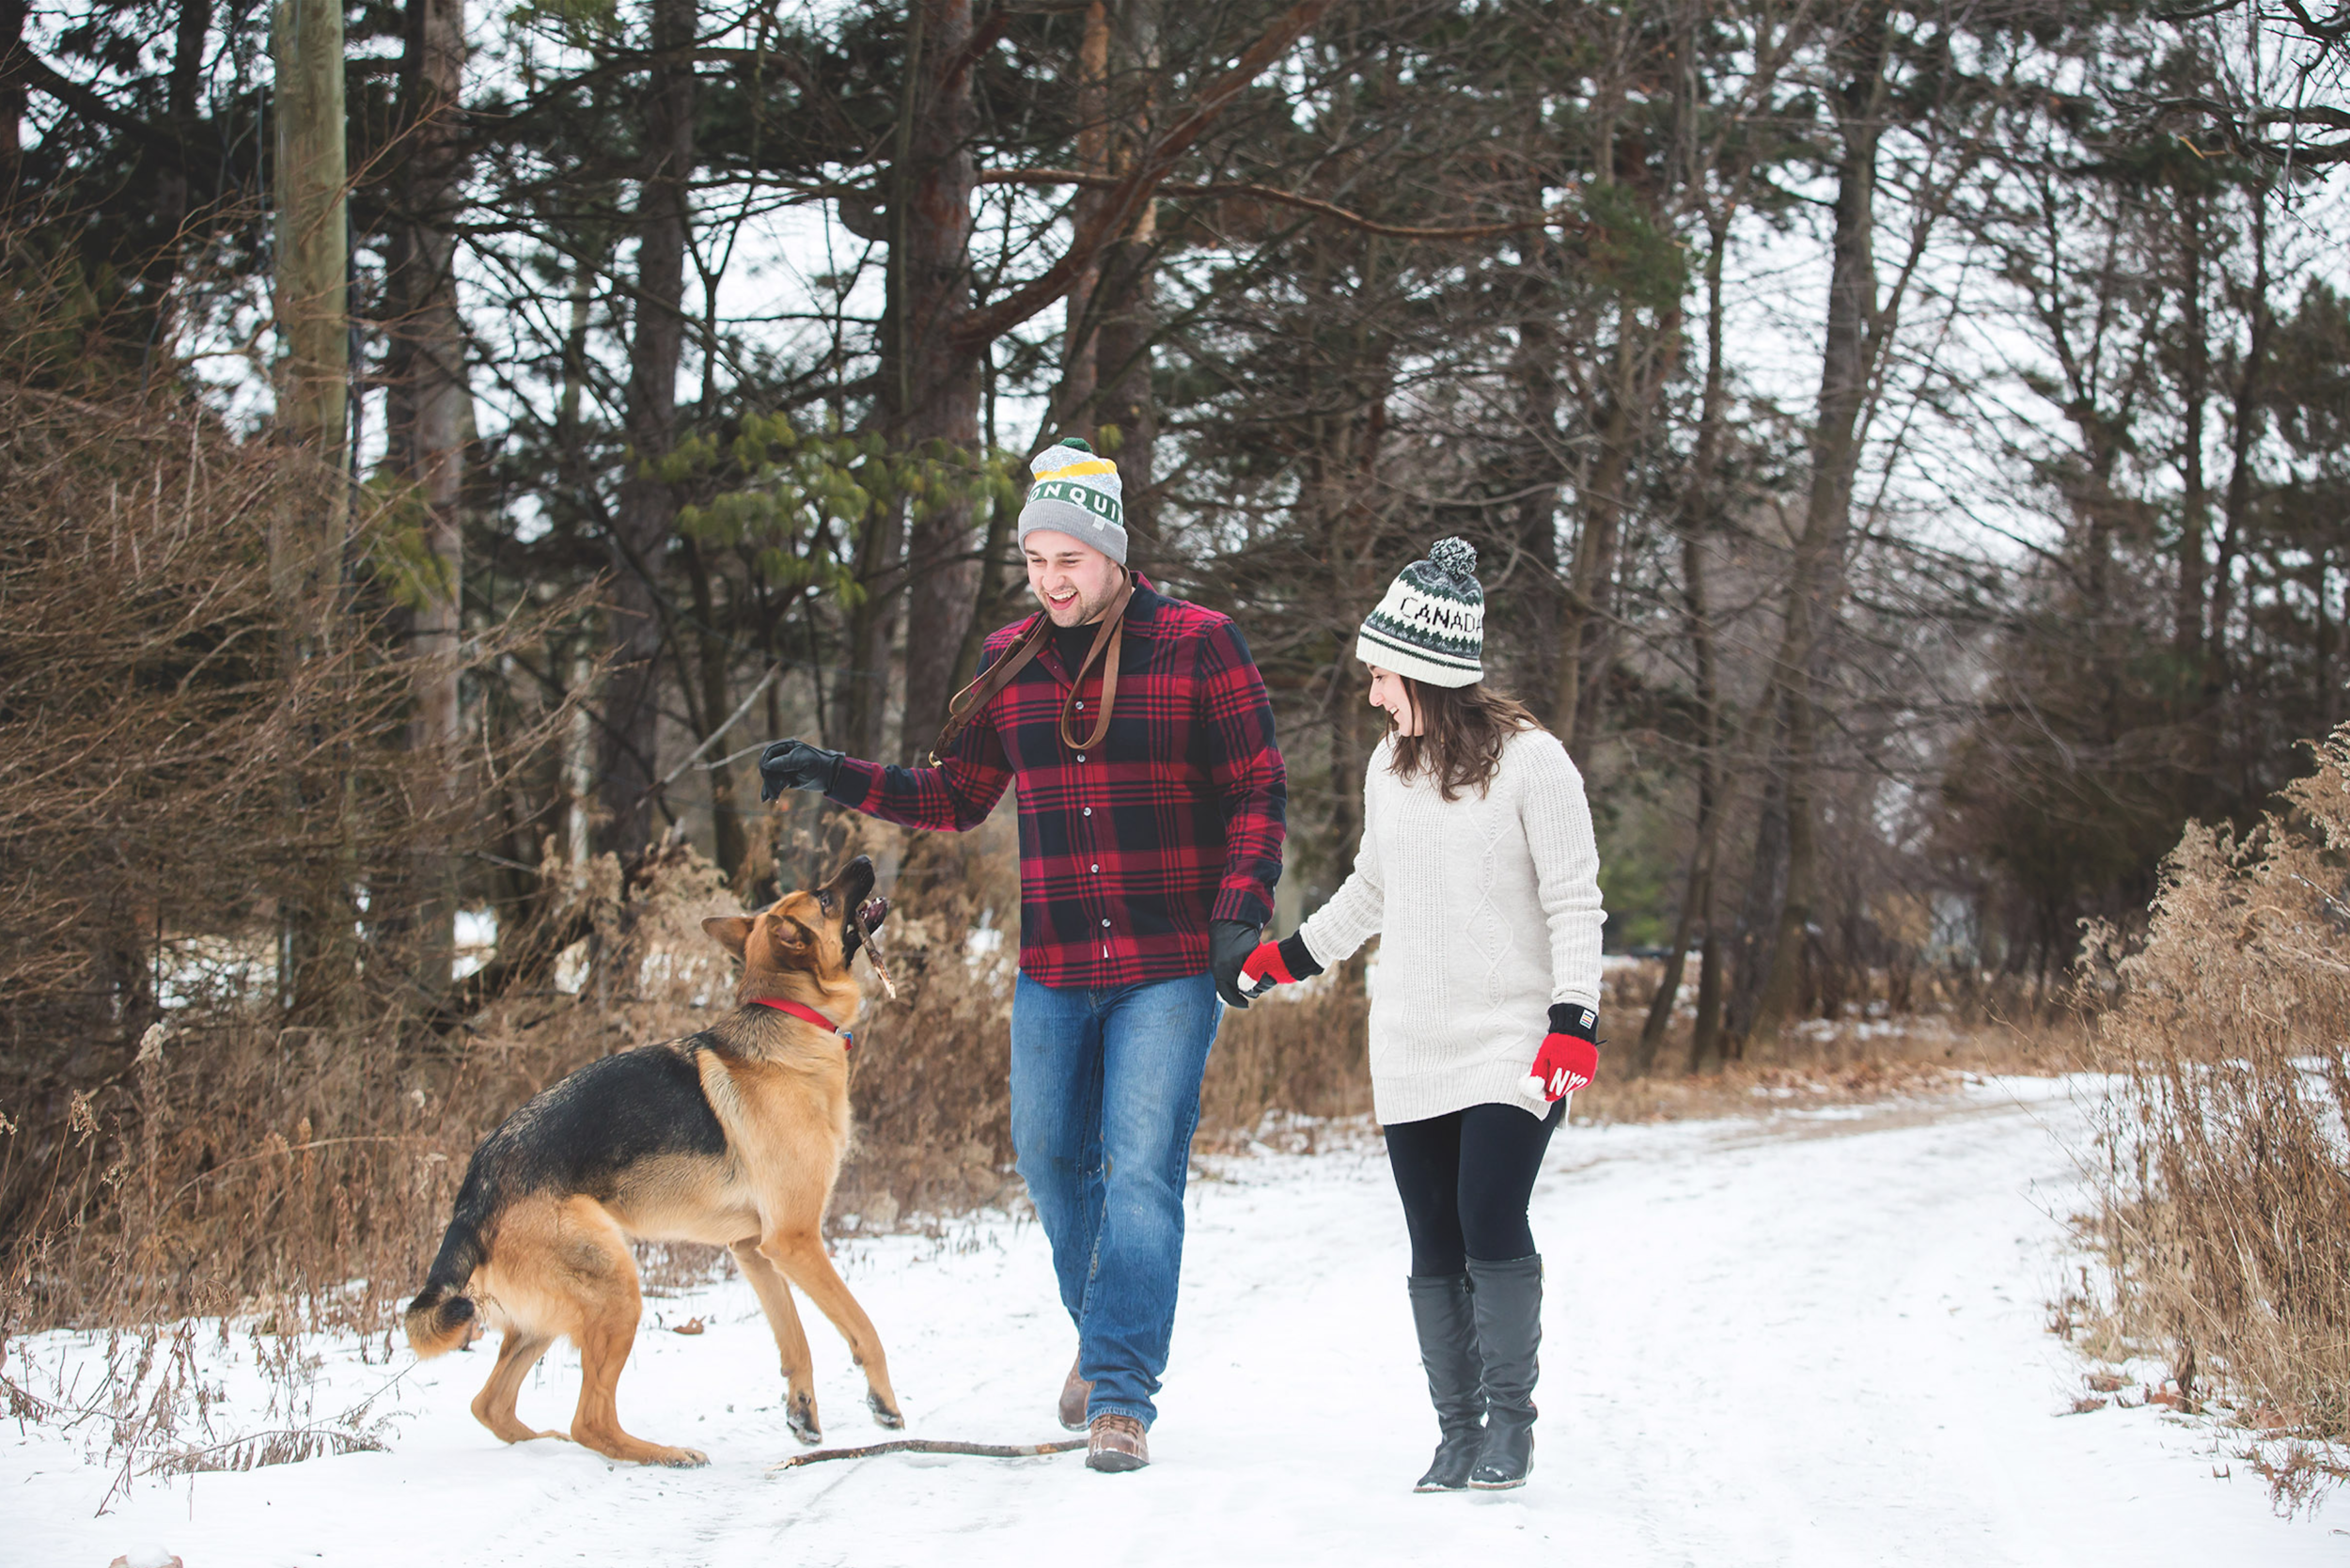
<point>1126,853</point>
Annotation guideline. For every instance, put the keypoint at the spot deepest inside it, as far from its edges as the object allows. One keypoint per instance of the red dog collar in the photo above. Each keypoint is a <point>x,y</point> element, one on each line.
<point>808,1015</point>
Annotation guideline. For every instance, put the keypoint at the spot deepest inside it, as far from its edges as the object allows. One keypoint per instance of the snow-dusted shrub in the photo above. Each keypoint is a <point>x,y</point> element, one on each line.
<point>2227,1176</point>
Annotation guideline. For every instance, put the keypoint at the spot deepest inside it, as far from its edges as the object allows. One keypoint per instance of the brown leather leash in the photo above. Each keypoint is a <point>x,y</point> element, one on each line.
<point>979,693</point>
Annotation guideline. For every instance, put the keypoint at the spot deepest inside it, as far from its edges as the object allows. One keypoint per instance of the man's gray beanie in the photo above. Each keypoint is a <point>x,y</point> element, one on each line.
<point>1077,493</point>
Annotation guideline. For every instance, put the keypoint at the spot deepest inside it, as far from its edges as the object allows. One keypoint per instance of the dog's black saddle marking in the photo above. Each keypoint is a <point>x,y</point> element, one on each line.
<point>580,1133</point>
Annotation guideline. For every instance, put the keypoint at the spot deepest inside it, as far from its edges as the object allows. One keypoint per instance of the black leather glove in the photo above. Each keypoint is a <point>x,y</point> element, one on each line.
<point>1230,943</point>
<point>796,765</point>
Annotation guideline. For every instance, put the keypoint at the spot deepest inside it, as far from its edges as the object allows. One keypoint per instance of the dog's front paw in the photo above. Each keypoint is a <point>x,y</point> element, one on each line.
<point>884,1412</point>
<point>799,1412</point>
<point>681,1459</point>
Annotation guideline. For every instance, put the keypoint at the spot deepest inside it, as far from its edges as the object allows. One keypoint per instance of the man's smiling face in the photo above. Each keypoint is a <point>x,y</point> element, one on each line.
<point>1073,580</point>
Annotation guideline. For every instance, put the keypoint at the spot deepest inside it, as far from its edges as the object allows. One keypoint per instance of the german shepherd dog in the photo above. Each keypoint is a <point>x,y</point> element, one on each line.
<point>732,1137</point>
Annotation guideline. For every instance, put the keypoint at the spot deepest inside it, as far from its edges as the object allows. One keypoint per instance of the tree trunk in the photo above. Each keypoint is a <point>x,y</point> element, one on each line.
<point>429,416</point>
<point>2186,630</point>
<point>1700,508</point>
<point>1073,399</point>
<point>1705,1035</point>
<point>647,515</point>
<point>931,385</point>
<point>13,99</point>
<point>2243,428</point>
<point>1106,394</point>
<point>1818,570</point>
<point>711,655</point>
<point>171,182</point>
<point>1536,474</point>
<point>1126,404</point>
<point>1645,355</point>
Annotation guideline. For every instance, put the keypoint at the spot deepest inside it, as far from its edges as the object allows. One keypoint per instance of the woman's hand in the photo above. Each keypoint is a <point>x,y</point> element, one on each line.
<point>1282,963</point>
<point>1569,1057</point>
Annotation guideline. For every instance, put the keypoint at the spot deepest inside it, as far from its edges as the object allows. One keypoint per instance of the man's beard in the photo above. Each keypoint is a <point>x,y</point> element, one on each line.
<point>1080,610</point>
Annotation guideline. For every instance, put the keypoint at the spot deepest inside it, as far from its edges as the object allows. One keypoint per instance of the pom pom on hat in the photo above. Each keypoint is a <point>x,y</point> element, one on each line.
<point>1456,557</point>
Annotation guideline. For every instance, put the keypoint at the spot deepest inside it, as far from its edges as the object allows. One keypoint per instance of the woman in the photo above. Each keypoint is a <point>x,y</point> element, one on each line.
<point>1477,868</point>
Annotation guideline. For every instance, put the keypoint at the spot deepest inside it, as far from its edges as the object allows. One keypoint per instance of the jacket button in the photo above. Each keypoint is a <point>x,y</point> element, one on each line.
<point>1081,707</point>
<point>1089,810</point>
<point>1097,868</point>
<point>1106,922</point>
<point>1081,757</point>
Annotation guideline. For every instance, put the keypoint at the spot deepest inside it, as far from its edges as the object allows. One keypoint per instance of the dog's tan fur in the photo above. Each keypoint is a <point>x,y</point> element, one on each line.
<point>557,1262</point>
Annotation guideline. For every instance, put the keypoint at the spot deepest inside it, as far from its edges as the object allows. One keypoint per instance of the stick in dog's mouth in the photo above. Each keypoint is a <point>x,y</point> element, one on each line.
<point>869,919</point>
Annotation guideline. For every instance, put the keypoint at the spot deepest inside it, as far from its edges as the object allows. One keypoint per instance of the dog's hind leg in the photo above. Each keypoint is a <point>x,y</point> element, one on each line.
<point>494,1407</point>
<point>800,1254</point>
<point>774,1296</point>
<point>602,1286</point>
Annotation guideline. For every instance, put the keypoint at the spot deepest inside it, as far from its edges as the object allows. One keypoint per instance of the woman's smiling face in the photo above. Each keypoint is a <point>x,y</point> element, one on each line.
<point>1391,693</point>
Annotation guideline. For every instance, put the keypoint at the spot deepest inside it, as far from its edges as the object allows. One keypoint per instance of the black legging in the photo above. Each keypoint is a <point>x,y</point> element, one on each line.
<point>1464,1178</point>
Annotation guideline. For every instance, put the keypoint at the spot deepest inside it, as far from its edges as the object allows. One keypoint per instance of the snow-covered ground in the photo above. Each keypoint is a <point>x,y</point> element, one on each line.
<point>1812,1339</point>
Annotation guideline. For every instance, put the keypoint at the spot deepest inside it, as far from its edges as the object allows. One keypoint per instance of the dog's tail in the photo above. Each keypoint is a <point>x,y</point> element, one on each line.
<point>441,1317</point>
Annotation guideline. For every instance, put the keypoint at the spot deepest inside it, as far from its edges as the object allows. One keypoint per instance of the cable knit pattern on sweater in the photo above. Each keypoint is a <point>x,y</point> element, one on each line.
<point>1488,909</point>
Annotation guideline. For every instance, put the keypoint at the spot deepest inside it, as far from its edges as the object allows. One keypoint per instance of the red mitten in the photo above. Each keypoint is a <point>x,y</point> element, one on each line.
<point>1564,1064</point>
<point>1569,1057</point>
<point>1282,963</point>
<point>1262,970</point>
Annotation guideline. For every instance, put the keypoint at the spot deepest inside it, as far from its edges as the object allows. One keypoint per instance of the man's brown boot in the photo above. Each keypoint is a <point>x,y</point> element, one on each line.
<point>1117,1443</point>
<point>1074,1395</point>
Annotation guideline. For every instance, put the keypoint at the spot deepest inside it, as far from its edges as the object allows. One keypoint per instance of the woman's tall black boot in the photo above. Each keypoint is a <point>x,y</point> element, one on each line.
<point>1447,1349</point>
<point>1508,1299</point>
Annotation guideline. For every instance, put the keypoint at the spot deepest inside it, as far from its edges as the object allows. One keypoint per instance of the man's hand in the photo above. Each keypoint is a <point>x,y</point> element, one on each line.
<point>1230,943</point>
<point>796,765</point>
<point>1282,963</point>
<point>1569,1057</point>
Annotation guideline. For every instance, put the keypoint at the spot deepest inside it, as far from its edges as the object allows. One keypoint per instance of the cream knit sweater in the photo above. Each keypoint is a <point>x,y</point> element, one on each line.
<point>1489,909</point>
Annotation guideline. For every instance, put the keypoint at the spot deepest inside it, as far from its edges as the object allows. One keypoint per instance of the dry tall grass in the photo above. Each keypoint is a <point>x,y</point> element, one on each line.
<point>2226,1216</point>
<point>307,1174</point>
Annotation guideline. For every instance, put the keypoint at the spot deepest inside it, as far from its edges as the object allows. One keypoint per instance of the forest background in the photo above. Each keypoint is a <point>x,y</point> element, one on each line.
<point>1905,446</point>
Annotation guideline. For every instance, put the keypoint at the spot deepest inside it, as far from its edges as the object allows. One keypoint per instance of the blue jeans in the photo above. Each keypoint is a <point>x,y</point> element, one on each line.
<point>1104,1098</point>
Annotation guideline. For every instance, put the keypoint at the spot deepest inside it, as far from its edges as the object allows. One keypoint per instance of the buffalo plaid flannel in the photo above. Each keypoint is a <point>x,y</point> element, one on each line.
<point>1126,852</point>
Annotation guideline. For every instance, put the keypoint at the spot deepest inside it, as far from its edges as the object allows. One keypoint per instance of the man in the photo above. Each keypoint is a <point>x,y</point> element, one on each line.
<point>1152,803</point>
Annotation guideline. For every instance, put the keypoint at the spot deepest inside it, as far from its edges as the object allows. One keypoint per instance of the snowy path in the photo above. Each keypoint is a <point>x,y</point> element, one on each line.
<point>1815,1340</point>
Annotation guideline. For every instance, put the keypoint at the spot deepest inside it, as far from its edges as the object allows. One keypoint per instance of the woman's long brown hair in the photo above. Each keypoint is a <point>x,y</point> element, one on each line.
<point>1461,729</point>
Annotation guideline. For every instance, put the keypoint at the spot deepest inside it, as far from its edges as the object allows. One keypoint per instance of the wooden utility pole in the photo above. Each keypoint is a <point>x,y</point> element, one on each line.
<point>307,533</point>
<point>313,302</point>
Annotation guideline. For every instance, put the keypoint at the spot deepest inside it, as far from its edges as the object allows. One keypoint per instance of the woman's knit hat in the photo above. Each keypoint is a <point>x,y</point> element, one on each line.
<point>1431,624</point>
<point>1076,494</point>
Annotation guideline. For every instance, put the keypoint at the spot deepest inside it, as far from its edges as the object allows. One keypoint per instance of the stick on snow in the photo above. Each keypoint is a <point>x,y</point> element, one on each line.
<point>928,1444</point>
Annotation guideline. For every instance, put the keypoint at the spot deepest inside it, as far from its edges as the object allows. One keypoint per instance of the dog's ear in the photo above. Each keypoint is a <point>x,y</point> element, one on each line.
<point>795,943</point>
<point>729,931</point>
